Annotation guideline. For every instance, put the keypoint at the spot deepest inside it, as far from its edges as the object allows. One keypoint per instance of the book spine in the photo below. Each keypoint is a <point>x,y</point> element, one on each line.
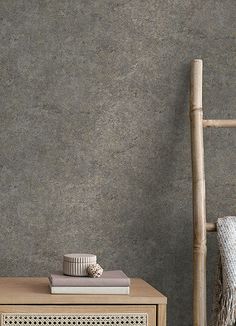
<point>89,290</point>
<point>91,283</point>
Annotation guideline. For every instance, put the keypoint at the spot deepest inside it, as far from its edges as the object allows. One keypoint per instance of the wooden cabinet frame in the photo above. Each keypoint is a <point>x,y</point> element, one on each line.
<point>24,298</point>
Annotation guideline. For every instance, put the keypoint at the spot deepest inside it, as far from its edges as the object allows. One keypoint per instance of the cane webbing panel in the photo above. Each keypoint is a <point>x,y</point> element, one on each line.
<point>43,319</point>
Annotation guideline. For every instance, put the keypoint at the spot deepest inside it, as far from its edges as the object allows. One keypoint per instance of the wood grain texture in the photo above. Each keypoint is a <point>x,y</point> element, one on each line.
<point>211,227</point>
<point>31,290</point>
<point>199,200</point>
<point>219,123</point>
<point>161,315</point>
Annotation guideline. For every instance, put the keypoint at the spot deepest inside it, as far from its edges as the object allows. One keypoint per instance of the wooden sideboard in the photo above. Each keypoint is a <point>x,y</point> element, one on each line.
<point>26,301</point>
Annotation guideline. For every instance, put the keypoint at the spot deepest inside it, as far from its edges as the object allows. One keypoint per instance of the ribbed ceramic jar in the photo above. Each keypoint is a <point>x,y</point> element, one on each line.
<point>77,264</point>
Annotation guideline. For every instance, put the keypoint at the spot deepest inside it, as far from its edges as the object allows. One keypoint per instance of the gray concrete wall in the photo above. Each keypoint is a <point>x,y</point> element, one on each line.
<point>95,150</point>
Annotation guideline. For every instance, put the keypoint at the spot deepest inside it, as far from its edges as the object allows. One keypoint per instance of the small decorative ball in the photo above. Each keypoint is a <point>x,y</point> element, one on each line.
<point>94,270</point>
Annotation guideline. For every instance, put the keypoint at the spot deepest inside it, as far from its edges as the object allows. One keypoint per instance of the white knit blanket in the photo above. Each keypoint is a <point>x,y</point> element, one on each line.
<point>224,309</point>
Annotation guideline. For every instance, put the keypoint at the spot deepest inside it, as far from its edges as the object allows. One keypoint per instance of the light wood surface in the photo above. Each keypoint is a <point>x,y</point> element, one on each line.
<point>31,290</point>
<point>161,315</point>
<point>211,227</point>
<point>219,123</point>
<point>200,226</point>
<point>150,310</point>
<point>199,201</point>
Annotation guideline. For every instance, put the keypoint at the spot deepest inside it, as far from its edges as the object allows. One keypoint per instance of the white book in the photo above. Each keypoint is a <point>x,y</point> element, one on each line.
<point>89,290</point>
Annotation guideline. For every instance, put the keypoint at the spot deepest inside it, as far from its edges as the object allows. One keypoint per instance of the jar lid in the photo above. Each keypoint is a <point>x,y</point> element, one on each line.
<point>80,258</point>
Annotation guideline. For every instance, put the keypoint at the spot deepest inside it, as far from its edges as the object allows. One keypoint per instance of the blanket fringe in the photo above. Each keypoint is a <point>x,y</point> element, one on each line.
<point>227,315</point>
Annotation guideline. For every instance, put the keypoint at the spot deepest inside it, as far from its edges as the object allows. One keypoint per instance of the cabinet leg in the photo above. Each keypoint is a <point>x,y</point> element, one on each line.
<point>161,315</point>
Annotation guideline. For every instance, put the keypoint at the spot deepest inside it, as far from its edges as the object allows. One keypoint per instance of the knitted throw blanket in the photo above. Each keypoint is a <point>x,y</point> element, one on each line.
<point>224,309</point>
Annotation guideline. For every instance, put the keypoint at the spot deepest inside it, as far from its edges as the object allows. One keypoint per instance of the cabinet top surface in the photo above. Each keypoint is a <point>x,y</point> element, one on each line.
<point>35,290</point>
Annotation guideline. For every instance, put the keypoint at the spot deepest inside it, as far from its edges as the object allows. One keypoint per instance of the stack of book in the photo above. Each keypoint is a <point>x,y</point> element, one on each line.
<point>111,282</point>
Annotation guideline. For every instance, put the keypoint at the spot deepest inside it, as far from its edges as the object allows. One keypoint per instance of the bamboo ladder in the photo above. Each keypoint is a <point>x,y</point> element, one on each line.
<point>200,225</point>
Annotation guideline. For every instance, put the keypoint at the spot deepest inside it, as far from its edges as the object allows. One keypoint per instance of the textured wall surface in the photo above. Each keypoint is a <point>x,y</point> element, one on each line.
<point>94,136</point>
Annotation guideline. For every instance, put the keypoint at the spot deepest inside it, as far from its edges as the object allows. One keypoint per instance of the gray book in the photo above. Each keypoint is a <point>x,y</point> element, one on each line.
<point>108,279</point>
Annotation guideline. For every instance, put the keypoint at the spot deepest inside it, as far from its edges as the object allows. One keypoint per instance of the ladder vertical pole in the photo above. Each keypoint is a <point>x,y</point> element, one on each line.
<point>199,201</point>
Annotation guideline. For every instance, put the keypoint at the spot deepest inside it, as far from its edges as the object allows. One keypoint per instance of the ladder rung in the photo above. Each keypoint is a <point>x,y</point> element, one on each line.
<point>211,227</point>
<point>219,123</point>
